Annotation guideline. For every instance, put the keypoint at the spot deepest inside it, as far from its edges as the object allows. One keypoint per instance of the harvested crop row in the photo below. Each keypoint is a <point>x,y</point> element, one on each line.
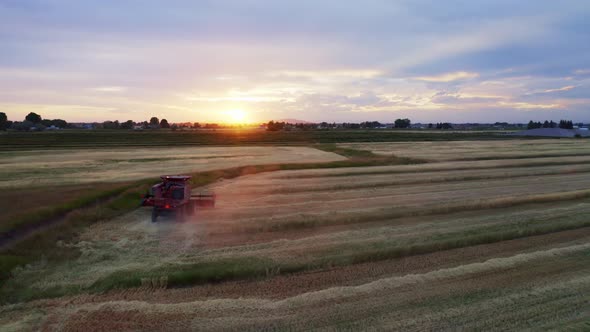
<point>134,260</point>
<point>458,150</point>
<point>124,244</point>
<point>76,166</point>
<point>284,286</point>
<point>256,185</point>
<point>245,207</point>
<point>433,167</point>
<point>516,288</point>
<point>412,232</point>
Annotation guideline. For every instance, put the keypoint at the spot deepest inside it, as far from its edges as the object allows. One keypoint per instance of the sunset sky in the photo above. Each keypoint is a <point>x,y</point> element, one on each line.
<point>341,61</point>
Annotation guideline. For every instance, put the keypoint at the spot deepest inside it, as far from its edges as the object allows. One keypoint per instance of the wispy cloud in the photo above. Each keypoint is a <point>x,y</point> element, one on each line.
<point>328,74</point>
<point>565,88</point>
<point>448,77</point>
<point>110,89</point>
<point>529,106</point>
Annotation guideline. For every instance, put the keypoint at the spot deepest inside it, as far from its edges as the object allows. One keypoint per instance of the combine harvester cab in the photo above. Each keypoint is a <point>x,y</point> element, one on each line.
<point>173,195</point>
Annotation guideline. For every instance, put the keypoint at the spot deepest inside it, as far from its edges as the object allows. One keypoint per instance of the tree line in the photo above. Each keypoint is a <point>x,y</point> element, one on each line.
<point>32,120</point>
<point>281,125</point>
<point>563,124</point>
<point>441,125</point>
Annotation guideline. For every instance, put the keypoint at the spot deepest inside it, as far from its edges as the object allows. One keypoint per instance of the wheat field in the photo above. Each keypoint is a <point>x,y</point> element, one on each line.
<point>73,166</point>
<point>484,244</point>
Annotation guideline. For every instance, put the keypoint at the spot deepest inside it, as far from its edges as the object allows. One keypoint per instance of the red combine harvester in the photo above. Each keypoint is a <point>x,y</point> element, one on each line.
<point>173,195</point>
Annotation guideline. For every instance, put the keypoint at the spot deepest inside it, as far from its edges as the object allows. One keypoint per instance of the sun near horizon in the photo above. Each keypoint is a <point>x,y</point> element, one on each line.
<point>237,116</point>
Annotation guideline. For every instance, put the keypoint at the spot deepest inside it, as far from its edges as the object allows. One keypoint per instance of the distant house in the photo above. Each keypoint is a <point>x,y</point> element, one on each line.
<point>82,125</point>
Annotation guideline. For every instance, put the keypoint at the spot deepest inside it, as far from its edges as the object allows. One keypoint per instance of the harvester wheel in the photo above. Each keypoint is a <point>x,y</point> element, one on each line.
<point>154,214</point>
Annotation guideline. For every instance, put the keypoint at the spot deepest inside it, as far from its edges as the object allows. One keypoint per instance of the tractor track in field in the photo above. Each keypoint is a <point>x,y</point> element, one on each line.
<point>12,237</point>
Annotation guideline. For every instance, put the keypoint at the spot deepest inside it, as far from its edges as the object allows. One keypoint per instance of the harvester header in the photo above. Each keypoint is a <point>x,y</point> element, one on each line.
<point>175,177</point>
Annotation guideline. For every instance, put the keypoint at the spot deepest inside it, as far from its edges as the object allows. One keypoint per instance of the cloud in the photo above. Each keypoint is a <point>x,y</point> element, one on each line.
<point>464,99</point>
<point>529,106</point>
<point>565,88</point>
<point>110,89</point>
<point>247,99</point>
<point>544,89</point>
<point>448,77</point>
